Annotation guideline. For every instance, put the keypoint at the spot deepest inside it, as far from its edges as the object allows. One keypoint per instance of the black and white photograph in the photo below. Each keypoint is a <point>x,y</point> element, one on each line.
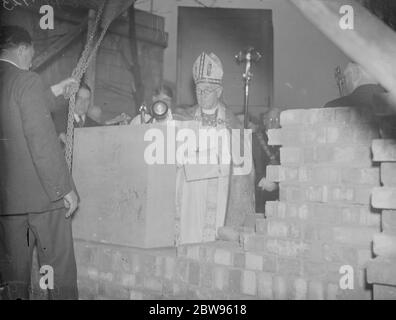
<point>197,156</point>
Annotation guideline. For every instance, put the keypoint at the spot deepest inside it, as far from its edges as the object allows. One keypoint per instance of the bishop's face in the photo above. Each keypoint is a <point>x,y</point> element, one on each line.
<point>208,95</point>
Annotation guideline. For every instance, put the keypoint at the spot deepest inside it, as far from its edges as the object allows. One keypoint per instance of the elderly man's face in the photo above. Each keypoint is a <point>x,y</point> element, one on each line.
<point>82,101</point>
<point>208,95</point>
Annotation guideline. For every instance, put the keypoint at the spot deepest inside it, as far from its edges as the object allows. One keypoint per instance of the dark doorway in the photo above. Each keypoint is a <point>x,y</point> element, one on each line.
<point>225,32</point>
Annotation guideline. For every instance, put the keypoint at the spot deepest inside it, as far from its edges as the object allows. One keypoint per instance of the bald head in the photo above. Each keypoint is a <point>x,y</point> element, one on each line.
<point>355,76</point>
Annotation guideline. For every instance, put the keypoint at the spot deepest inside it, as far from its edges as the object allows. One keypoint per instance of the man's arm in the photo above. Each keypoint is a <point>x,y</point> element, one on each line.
<point>41,138</point>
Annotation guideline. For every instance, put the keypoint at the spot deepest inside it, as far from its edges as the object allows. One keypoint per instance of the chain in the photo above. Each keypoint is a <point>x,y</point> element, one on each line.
<point>77,74</point>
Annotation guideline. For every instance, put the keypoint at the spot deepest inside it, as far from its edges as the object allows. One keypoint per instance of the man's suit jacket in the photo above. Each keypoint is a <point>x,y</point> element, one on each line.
<point>33,173</point>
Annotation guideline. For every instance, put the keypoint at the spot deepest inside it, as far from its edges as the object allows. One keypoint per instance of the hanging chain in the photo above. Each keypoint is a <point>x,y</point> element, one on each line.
<point>77,74</point>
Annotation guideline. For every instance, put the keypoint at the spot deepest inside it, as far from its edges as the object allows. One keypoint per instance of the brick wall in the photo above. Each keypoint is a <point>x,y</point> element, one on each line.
<point>381,271</point>
<point>322,222</point>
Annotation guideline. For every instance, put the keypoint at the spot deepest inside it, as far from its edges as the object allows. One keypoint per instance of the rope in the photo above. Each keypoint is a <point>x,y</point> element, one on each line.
<point>82,65</point>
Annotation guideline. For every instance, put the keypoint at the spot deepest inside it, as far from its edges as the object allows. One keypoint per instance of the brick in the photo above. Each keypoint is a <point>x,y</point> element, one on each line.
<point>206,254</point>
<point>261,226</point>
<point>136,295</point>
<point>280,288</point>
<point>291,155</point>
<point>271,208</point>
<point>265,286</point>
<point>324,154</point>
<point>383,198</point>
<point>384,150</point>
<point>276,173</point>
<point>277,228</point>
<point>320,115</point>
<point>332,291</point>
<point>270,263</point>
<point>317,194</point>
<point>181,270</point>
<point>252,242</point>
<point>169,269</point>
<point>289,193</point>
<point>291,136</point>
<point>291,117</point>
<point>384,244</point>
<point>362,195</point>
<point>193,252</point>
<point>223,257</point>
<point>368,176</point>
<point>300,289</point>
<point>286,248</point>
<point>274,137</point>
<point>235,279</point>
<point>254,261</point>
<point>382,270</point>
<point>250,222</point>
<point>312,269</point>
<point>249,285</point>
<point>239,260</point>
<point>159,266</point>
<point>336,253</point>
<point>289,266</point>
<point>194,273</point>
<point>364,256</point>
<point>354,236</point>
<point>128,280</point>
<point>315,290</point>
<point>303,174</point>
<point>339,134</point>
<point>381,292</point>
<point>207,275</point>
<point>87,289</point>
<point>389,221</point>
<point>342,194</point>
<point>353,155</point>
<point>153,284</point>
<point>325,175</point>
<point>388,174</point>
<point>112,291</point>
<point>220,278</point>
<point>314,135</point>
<point>148,264</point>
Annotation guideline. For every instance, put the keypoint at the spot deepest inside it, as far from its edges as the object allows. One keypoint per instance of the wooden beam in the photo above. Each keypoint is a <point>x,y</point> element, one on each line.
<point>371,43</point>
<point>59,45</point>
<point>90,74</point>
<point>138,94</point>
<point>120,26</point>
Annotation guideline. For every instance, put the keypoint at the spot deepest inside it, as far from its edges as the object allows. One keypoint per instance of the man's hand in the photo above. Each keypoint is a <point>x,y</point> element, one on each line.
<point>267,185</point>
<point>71,202</point>
<point>63,86</point>
<point>62,138</point>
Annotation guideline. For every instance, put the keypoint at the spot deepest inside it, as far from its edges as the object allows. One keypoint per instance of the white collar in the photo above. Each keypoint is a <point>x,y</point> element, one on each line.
<point>210,111</point>
<point>9,61</point>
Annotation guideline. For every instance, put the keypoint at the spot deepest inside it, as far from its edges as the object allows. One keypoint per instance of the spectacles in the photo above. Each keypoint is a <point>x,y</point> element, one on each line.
<point>205,91</point>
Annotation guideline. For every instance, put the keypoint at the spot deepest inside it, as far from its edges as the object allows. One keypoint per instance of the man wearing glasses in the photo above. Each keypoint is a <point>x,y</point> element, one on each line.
<point>203,191</point>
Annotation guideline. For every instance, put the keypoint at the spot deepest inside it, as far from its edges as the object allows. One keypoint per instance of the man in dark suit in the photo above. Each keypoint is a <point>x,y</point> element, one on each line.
<point>36,187</point>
